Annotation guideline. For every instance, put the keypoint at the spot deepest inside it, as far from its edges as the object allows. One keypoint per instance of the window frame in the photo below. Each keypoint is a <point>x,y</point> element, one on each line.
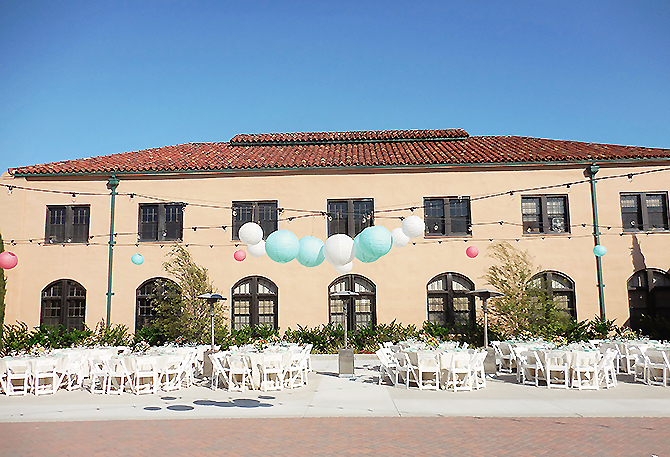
<point>445,220</point>
<point>448,295</point>
<point>254,296</point>
<point>546,278</point>
<point>162,231</point>
<point>642,213</point>
<point>69,226</point>
<point>544,222</point>
<point>255,217</point>
<point>351,214</point>
<point>66,303</point>
<point>350,285</point>
<point>144,300</point>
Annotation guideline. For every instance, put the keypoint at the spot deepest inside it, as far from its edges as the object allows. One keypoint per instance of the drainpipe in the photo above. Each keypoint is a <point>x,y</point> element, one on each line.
<point>590,172</point>
<point>112,184</point>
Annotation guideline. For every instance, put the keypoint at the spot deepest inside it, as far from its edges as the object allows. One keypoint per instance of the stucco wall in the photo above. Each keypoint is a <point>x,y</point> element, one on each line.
<point>400,277</point>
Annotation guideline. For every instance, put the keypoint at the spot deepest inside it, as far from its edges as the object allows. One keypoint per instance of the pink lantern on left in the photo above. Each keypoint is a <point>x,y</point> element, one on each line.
<point>240,255</point>
<point>472,251</point>
<point>8,260</point>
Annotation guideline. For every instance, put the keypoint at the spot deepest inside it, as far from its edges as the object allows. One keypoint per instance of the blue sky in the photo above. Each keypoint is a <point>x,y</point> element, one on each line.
<point>89,78</point>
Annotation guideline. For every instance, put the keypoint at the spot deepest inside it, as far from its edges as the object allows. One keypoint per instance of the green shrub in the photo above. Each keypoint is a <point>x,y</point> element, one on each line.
<point>655,327</point>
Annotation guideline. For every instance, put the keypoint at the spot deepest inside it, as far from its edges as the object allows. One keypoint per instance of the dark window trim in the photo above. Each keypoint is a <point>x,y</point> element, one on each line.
<point>545,228</point>
<point>547,277</point>
<point>65,298</point>
<point>446,217</point>
<point>162,233</point>
<point>351,306</point>
<point>255,204</point>
<point>643,212</point>
<point>254,297</point>
<point>68,231</point>
<point>448,295</point>
<point>351,215</point>
<point>142,320</point>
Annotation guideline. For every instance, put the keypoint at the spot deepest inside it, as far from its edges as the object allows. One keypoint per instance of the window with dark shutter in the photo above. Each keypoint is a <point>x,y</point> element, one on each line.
<point>644,211</point>
<point>447,216</point>
<point>545,214</point>
<point>160,222</point>
<point>264,213</point>
<point>67,224</point>
<point>350,216</point>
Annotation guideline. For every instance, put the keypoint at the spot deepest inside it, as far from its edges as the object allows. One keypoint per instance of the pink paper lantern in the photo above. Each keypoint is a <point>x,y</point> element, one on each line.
<point>472,251</point>
<point>240,255</point>
<point>8,260</point>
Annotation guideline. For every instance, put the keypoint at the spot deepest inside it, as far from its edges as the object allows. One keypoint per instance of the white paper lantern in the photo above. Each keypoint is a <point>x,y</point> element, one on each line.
<point>413,227</point>
<point>400,240</point>
<point>256,250</point>
<point>344,269</point>
<point>339,249</point>
<point>251,233</point>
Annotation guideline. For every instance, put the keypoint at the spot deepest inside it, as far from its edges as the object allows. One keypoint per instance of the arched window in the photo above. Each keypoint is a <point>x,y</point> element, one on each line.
<point>254,303</point>
<point>448,302</point>
<point>648,294</point>
<point>145,297</point>
<point>64,303</point>
<point>558,287</point>
<point>361,308</point>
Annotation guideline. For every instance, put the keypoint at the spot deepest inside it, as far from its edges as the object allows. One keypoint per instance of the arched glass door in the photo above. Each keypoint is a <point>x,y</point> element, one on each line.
<point>64,303</point>
<point>558,287</point>
<point>361,308</point>
<point>254,303</point>
<point>145,298</point>
<point>448,302</point>
<point>648,294</point>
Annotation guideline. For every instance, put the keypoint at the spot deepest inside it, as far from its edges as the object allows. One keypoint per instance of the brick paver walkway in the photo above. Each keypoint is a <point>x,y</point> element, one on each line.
<point>462,436</point>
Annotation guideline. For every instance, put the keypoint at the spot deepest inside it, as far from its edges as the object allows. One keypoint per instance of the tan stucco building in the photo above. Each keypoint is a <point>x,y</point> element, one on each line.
<point>471,191</point>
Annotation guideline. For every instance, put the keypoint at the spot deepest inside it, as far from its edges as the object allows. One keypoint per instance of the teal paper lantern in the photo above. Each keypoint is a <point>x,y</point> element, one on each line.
<point>599,250</point>
<point>376,240</point>
<point>282,246</point>
<point>361,254</point>
<point>137,259</point>
<point>311,251</point>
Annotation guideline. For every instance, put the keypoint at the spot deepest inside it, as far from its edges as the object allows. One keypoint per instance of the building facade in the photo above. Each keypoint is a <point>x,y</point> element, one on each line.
<point>470,191</point>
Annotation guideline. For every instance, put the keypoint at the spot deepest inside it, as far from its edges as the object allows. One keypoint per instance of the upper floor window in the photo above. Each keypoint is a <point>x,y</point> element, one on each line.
<point>67,224</point>
<point>447,216</point>
<point>264,213</point>
<point>350,216</point>
<point>161,222</point>
<point>545,214</point>
<point>644,211</point>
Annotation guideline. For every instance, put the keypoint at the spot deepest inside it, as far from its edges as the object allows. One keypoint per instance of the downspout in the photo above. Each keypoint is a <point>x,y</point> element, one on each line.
<point>112,184</point>
<point>590,172</point>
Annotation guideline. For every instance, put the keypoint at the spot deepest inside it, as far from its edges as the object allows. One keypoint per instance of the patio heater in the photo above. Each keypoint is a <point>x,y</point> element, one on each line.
<point>345,355</point>
<point>485,294</point>
<point>211,300</point>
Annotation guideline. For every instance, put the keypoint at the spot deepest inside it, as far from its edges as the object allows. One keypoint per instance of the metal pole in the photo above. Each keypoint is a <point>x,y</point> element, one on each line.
<point>211,313</point>
<point>486,324</point>
<point>344,305</point>
<point>112,184</point>
<point>591,173</point>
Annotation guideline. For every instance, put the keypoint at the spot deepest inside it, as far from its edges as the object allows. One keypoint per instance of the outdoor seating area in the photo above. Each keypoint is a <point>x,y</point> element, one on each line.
<point>586,365</point>
<point>443,366</point>
<point>106,370</point>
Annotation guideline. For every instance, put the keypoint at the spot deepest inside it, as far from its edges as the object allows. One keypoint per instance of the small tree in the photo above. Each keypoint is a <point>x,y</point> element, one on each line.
<point>524,306</point>
<point>179,311</point>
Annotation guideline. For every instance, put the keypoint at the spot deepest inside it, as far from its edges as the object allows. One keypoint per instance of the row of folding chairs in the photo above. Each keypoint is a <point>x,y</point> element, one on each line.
<point>651,366</point>
<point>433,370</point>
<point>44,375</point>
<point>234,371</point>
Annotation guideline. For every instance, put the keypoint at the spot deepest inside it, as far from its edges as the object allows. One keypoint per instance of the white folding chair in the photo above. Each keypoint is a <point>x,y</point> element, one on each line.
<point>44,369</point>
<point>239,373</point>
<point>607,370</point>
<point>171,374</point>
<point>272,372</point>
<point>658,368</point>
<point>119,376</point>
<point>557,368</point>
<point>17,370</point>
<point>532,368</point>
<point>145,374</point>
<point>506,357</point>
<point>640,364</point>
<point>477,373</point>
<point>428,363</point>
<point>219,369</point>
<point>386,366</point>
<point>405,369</point>
<point>99,373</point>
<point>585,370</point>
<point>459,373</point>
<point>296,372</point>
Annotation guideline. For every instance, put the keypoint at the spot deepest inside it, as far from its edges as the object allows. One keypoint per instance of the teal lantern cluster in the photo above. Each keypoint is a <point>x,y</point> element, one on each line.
<point>310,253</point>
<point>282,246</point>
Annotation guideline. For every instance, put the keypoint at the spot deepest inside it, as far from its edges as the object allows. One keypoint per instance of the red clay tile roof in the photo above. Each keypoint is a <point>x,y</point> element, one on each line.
<point>347,149</point>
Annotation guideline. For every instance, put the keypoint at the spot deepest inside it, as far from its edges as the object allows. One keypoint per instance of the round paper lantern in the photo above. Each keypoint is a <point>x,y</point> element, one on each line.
<point>251,233</point>
<point>8,260</point>
<point>344,269</point>
<point>361,254</point>
<point>472,251</point>
<point>339,249</point>
<point>282,246</point>
<point>137,259</point>
<point>257,250</point>
<point>376,240</point>
<point>400,240</point>
<point>311,251</point>
<point>599,250</point>
<point>413,226</point>
<point>240,255</point>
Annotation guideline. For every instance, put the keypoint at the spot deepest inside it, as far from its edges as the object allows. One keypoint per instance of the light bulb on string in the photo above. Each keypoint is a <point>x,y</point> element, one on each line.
<point>74,197</point>
<point>9,190</point>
